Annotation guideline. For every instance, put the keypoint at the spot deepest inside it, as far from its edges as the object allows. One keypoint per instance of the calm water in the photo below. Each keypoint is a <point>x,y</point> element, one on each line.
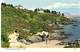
<point>74,30</point>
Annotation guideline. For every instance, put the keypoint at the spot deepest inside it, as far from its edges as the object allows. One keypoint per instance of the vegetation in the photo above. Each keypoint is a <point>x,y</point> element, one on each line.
<point>62,14</point>
<point>4,39</point>
<point>35,10</point>
<point>54,12</point>
<point>47,11</point>
<point>25,22</point>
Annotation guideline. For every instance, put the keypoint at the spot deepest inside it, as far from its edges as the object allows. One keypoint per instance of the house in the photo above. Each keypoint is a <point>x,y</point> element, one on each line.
<point>19,7</point>
<point>58,13</point>
<point>41,10</point>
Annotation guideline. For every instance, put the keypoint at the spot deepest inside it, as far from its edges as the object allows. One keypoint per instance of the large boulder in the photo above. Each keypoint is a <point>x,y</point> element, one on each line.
<point>54,36</point>
<point>24,41</point>
<point>35,38</point>
<point>42,33</point>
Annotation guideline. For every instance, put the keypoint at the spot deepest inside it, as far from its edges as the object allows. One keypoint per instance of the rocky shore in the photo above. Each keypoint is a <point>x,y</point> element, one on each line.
<point>41,36</point>
<point>71,44</point>
<point>47,41</point>
<point>14,43</point>
<point>46,36</point>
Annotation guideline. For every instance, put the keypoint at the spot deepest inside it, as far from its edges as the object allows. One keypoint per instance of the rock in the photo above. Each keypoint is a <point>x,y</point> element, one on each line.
<point>35,39</point>
<point>75,25</point>
<point>58,31</point>
<point>50,25</point>
<point>24,41</point>
<point>74,20</point>
<point>42,33</point>
<point>58,26</point>
<point>54,36</point>
<point>49,21</point>
<point>74,43</point>
<point>57,36</point>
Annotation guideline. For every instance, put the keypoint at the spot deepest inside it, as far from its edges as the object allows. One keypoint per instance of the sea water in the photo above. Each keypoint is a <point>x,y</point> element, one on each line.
<point>74,30</point>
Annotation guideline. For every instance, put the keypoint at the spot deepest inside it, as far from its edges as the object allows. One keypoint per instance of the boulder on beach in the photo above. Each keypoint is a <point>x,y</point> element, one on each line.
<point>35,38</point>
<point>42,33</point>
<point>25,41</point>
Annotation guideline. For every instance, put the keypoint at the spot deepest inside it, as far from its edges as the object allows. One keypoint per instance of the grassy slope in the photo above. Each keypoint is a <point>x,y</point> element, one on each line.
<point>16,19</point>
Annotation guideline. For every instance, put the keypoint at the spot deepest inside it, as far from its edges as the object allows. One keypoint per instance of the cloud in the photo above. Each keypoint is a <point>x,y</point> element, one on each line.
<point>2,0</point>
<point>32,9</point>
<point>63,5</point>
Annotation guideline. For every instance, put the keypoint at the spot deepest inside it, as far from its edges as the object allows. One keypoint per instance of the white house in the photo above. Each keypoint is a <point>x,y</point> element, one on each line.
<point>19,7</point>
<point>41,10</point>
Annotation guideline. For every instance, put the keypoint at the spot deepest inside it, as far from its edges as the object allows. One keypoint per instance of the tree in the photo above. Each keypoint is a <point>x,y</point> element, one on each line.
<point>3,3</point>
<point>12,5</point>
<point>54,12</point>
<point>35,10</point>
<point>62,14</point>
<point>47,11</point>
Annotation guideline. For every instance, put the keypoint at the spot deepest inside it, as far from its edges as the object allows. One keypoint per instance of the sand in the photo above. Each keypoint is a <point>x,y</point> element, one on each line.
<point>15,44</point>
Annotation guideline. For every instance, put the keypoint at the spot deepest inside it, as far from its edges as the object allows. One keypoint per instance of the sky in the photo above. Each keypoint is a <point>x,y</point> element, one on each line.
<point>63,6</point>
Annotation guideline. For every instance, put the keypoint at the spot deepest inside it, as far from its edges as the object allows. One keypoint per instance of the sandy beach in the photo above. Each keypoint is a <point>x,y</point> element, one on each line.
<point>15,44</point>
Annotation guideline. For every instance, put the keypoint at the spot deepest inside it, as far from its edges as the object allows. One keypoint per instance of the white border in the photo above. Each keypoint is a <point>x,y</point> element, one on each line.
<point>35,49</point>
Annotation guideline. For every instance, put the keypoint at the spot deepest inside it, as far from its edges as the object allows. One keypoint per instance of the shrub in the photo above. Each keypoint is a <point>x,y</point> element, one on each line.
<point>4,38</point>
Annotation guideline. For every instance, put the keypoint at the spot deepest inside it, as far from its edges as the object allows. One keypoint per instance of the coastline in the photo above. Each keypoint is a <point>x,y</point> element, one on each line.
<point>50,44</point>
<point>53,43</point>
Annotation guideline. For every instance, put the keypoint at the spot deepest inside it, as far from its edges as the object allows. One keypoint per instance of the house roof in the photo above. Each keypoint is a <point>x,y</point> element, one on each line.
<point>40,9</point>
<point>18,6</point>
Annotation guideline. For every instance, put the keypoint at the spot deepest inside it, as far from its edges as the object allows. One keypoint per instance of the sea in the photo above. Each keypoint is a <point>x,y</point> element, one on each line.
<point>73,30</point>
